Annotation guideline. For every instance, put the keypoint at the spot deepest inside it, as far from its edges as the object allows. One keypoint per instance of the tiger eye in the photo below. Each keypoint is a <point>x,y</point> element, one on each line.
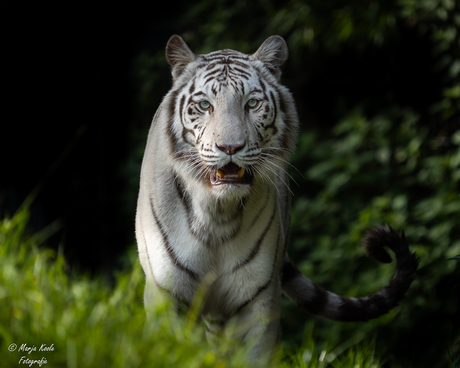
<point>253,102</point>
<point>205,104</point>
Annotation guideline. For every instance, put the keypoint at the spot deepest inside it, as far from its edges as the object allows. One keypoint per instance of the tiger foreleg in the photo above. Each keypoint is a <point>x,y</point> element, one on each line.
<point>259,324</point>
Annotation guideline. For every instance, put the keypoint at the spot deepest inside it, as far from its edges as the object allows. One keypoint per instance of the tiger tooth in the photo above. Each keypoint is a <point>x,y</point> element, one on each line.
<point>220,173</point>
<point>240,172</point>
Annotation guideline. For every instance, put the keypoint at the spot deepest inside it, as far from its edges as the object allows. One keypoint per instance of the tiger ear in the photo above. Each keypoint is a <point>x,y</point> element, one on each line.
<point>178,55</point>
<point>273,53</point>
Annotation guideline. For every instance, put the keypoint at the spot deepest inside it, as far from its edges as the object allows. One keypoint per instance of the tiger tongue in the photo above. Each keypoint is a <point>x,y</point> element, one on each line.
<point>230,171</point>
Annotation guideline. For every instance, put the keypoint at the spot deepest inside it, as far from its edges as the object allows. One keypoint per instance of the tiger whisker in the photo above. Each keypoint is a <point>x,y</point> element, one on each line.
<point>280,168</point>
<point>260,170</point>
<point>283,160</point>
<point>266,165</point>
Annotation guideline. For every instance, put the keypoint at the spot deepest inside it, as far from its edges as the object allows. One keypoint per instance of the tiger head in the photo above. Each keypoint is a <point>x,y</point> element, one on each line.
<point>233,123</point>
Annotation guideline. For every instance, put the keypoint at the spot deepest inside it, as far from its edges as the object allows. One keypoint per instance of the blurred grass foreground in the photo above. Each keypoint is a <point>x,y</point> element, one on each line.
<point>54,318</point>
<point>84,321</point>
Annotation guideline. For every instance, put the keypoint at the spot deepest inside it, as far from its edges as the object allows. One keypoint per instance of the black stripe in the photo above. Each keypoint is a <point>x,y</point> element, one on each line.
<point>264,205</point>
<point>201,233</point>
<point>262,84</point>
<point>239,63</point>
<point>282,103</point>
<point>287,135</point>
<point>209,240</point>
<point>317,301</point>
<point>168,247</point>
<point>192,87</point>
<point>357,310</point>
<point>184,197</point>
<point>289,272</point>
<point>241,71</point>
<point>243,203</point>
<point>209,79</point>
<point>211,73</point>
<point>199,94</point>
<point>179,300</point>
<point>242,87</point>
<point>256,248</point>
<point>185,131</point>
<point>272,124</point>
<point>181,107</point>
<point>264,286</point>
<point>210,66</point>
<point>234,75</point>
<point>259,290</point>
<point>223,56</point>
<point>186,201</point>
<point>171,108</point>
<point>224,73</point>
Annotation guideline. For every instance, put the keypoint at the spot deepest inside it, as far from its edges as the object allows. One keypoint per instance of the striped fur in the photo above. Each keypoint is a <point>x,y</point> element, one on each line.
<point>214,201</point>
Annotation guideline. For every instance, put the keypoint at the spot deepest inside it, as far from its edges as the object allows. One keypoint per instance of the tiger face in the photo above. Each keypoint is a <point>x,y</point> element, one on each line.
<point>234,123</point>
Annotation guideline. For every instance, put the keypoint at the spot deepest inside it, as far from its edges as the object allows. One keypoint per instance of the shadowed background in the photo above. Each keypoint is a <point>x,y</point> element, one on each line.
<point>376,86</point>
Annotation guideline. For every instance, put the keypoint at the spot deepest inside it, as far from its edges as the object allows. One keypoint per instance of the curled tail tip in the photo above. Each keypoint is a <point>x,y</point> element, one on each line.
<point>374,242</point>
<point>385,236</point>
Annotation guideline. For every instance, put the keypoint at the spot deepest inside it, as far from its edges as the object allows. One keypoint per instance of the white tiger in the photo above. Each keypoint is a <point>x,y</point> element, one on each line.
<point>214,202</point>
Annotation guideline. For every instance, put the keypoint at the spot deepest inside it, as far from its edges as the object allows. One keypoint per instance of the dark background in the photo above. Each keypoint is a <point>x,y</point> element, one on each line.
<point>82,84</point>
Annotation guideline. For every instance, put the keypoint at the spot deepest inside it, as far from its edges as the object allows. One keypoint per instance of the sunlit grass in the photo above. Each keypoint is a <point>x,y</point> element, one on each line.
<point>354,353</point>
<point>56,318</point>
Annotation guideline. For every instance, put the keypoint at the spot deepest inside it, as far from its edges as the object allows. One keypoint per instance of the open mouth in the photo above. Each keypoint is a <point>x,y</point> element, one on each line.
<point>230,174</point>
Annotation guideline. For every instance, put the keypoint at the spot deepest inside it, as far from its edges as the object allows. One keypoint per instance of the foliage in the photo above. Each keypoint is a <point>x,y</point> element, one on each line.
<point>84,323</point>
<point>351,353</point>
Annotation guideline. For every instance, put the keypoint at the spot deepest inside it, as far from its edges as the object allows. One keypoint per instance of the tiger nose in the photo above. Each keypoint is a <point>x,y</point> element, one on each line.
<point>231,149</point>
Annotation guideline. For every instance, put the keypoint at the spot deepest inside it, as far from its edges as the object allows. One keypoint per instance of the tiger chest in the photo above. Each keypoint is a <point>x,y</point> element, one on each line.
<point>232,253</point>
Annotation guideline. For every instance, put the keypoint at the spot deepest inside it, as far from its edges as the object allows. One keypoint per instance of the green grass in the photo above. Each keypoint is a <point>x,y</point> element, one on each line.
<point>86,323</point>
